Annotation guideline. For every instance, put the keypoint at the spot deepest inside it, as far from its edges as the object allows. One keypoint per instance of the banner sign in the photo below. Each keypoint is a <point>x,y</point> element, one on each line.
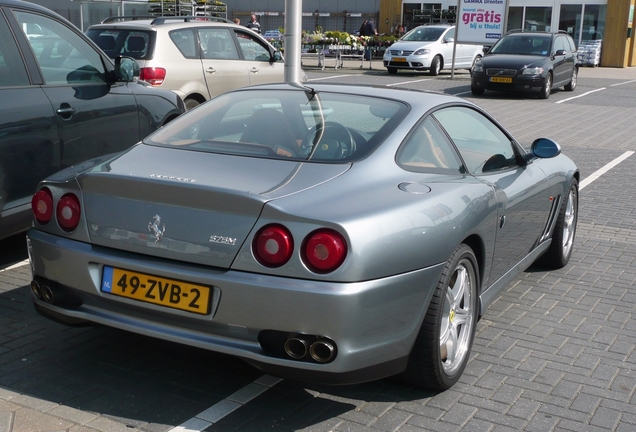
<point>481,21</point>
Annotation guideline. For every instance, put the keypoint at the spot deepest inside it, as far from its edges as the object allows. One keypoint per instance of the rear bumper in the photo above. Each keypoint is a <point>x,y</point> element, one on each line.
<point>372,323</point>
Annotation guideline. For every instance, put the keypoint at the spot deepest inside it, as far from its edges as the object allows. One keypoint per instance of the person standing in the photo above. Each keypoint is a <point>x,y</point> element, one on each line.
<point>370,29</point>
<point>363,28</point>
<point>254,25</point>
<point>237,21</point>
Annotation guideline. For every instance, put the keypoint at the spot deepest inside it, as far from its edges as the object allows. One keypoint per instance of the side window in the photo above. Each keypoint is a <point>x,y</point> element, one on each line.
<point>559,44</point>
<point>482,145</point>
<point>185,42</point>
<point>12,70</point>
<point>217,44</point>
<point>63,56</point>
<point>428,148</point>
<point>251,47</point>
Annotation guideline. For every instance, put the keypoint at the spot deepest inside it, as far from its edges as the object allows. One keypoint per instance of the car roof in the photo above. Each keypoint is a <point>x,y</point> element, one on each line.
<point>162,22</point>
<point>424,99</point>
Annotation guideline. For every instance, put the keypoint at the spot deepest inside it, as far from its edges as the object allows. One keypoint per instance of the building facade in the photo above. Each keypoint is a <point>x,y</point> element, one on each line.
<point>605,26</point>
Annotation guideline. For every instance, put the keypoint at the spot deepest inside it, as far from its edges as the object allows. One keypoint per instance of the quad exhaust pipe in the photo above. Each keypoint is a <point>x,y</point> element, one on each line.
<point>320,349</point>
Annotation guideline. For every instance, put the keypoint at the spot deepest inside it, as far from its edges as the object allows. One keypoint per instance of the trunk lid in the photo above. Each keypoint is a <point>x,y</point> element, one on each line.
<point>187,205</point>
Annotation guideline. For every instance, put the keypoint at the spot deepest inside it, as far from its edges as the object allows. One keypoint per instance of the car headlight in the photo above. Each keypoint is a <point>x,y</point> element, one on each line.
<point>423,51</point>
<point>532,71</point>
<point>478,66</point>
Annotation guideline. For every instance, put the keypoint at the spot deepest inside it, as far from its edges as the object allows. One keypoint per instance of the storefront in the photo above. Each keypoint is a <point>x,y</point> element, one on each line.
<point>584,21</point>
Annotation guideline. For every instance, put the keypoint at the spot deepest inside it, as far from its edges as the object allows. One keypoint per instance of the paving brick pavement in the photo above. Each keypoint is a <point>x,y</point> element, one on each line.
<point>556,352</point>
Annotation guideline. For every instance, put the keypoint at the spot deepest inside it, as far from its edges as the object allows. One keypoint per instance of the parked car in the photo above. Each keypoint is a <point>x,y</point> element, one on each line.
<point>196,57</point>
<point>62,101</point>
<point>336,233</point>
<point>430,48</point>
<point>525,61</point>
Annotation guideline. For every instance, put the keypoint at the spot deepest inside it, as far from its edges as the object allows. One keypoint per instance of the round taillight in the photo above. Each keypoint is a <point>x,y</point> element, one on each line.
<point>324,251</point>
<point>42,205</point>
<point>273,245</point>
<point>68,212</point>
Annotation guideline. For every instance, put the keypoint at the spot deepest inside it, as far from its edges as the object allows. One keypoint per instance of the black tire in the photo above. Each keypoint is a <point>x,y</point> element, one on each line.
<point>545,91</point>
<point>558,255</point>
<point>451,317</point>
<point>477,91</point>
<point>391,70</point>
<point>436,66</point>
<point>190,103</point>
<point>572,84</point>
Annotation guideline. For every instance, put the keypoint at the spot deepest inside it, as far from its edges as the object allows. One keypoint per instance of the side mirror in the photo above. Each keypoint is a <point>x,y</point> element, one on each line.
<point>560,52</point>
<point>277,56</point>
<point>545,148</point>
<point>126,69</point>
<point>485,49</point>
<point>449,40</point>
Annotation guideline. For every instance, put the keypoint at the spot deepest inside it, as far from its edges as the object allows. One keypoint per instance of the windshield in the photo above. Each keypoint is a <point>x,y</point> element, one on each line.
<point>523,44</point>
<point>425,34</point>
<point>285,124</point>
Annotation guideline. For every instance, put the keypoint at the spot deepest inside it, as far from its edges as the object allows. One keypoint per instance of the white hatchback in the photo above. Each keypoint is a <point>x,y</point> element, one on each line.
<point>430,48</point>
<point>196,57</point>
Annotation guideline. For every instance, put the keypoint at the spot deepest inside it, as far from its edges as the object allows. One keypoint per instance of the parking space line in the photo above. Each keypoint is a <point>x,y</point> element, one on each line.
<point>622,83</point>
<point>15,266</point>
<point>596,174</point>
<point>407,82</point>
<point>581,95</point>
<point>326,78</point>
<point>228,405</point>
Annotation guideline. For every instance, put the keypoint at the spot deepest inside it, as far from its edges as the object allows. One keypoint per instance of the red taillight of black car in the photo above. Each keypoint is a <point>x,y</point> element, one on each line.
<point>67,210</point>
<point>324,251</point>
<point>42,205</point>
<point>273,245</point>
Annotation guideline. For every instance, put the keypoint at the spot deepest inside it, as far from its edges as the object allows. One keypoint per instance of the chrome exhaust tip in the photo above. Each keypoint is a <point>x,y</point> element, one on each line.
<point>322,350</point>
<point>296,347</point>
<point>47,294</point>
<point>36,290</point>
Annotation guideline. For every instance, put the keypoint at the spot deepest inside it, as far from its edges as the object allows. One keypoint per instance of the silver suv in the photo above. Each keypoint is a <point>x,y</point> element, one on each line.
<point>430,48</point>
<point>196,57</point>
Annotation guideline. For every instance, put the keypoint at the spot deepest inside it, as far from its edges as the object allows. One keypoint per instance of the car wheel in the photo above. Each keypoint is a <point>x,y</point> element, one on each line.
<point>391,70</point>
<point>436,66</point>
<point>477,91</point>
<point>572,84</point>
<point>558,255</point>
<point>443,345</point>
<point>190,103</point>
<point>544,93</point>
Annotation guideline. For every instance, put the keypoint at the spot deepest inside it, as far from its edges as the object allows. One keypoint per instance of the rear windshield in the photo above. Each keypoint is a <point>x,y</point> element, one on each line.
<point>285,124</point>
<point>117,42</point>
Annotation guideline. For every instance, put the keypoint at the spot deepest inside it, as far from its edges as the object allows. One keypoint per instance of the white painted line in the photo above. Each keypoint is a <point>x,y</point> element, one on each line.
<point>461,93</point>
<point>228,405</point>
<point>407,82</point>
<point>596,174</point>
<point>329,77</point>
<point>581,95</point>
<point>15,266</point>
<point>626,82</point>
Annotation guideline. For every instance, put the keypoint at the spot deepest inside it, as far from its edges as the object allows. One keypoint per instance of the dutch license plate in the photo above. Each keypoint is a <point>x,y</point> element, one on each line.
<point>399,59</point>
<point>501,79</point>
<point>156,290</point>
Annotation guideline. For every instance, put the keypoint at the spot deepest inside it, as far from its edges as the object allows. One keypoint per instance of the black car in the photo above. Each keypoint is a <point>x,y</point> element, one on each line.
<point>527,62</point>
<point>62,101</point>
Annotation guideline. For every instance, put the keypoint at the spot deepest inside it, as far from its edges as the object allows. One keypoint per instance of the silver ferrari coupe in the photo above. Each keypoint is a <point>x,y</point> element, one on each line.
<point>334,234</point>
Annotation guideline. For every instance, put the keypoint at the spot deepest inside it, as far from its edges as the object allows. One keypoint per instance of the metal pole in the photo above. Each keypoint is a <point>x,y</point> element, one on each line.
<point>293,35</point>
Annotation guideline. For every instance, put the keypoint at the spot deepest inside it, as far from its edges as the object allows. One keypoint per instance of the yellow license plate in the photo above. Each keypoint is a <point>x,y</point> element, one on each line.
<point>399,59</point>
<point>160,291</point>
<point>500,79</point>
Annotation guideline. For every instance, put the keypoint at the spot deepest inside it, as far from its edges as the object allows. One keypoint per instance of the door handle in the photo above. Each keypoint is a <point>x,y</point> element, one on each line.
<point>65,111</point>
<point>254,70</point>
<point>210,70</point>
